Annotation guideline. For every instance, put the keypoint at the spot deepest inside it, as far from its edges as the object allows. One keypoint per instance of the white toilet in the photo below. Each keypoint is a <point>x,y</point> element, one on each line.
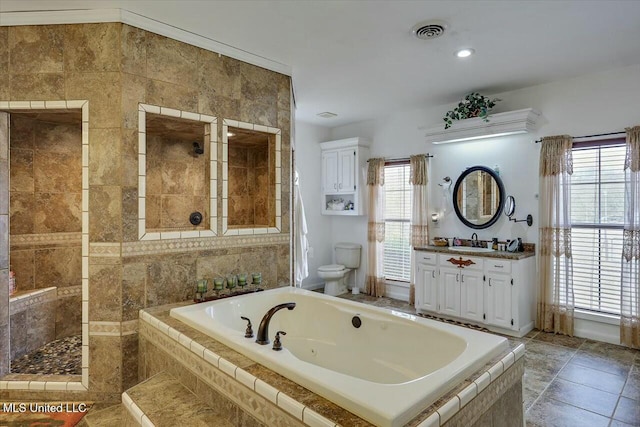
<point>334,275</point>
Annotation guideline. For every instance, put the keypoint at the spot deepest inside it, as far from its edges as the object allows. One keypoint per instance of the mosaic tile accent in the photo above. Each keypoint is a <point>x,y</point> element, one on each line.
<point>226,231</point>
<point>104,250</point>
<point>21,302</point>
<point>210,123</point>
<point>189,245</point>
<point>45,239</point>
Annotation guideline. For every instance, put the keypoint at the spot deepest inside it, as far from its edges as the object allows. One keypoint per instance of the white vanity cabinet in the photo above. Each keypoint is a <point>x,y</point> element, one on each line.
<point>496,293</point>
<point>343,176</point>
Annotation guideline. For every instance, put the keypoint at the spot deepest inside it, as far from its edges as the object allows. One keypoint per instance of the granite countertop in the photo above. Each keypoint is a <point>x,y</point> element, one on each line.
<point>494,254</point>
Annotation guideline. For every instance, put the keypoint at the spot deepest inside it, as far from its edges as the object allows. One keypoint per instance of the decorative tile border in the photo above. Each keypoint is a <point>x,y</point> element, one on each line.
<point>105,250</point>
<point>179,245</point>
<point>45,239</point>
<point>62,105</point>
<point>210,134</point>
<point>226,231</point>
<point>22,302</point>
<point>113,329</point>
<point>245,390</point>
<point>69,291</point>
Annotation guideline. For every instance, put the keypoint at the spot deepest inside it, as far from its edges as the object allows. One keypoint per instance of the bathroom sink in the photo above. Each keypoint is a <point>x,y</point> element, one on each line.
<point>469,249</point>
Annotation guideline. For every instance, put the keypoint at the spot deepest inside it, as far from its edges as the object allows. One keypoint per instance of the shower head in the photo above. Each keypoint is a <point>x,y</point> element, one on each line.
<point>197,148</point>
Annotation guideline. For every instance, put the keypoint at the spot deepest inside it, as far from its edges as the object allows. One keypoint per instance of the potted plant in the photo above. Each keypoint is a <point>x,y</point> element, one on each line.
<point>473,105</point>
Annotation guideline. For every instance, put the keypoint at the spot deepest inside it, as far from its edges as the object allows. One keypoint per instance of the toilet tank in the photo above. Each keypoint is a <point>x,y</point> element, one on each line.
<point>348,254</point>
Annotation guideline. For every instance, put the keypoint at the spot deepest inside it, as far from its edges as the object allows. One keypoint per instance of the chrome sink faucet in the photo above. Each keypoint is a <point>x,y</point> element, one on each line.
<point>474,240</point>
<point>263,330</point>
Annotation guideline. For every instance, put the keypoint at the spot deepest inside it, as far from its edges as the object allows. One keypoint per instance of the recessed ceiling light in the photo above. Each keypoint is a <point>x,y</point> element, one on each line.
<point>465,53</point>
<point>326,115</point>
<point>230,134</point>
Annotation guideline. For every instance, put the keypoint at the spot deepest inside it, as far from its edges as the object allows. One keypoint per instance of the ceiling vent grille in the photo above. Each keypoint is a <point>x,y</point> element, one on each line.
<point>428,30</point>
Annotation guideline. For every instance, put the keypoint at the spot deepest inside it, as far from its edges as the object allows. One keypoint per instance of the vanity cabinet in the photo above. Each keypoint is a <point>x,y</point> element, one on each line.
<point>495,293</point>
<point>343,176</point>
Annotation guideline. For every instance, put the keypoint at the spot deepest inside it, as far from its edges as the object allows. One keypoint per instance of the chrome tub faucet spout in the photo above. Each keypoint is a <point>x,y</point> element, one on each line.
<point>263,330</point>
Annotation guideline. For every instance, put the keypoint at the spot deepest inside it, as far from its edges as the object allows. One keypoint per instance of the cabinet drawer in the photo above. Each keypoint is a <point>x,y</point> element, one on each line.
<point>498,265</point>
<point>461,261</point>
<point>426,257</point>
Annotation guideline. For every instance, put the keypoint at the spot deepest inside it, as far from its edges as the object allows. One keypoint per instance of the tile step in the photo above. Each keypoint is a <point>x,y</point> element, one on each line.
<point>162,401</point>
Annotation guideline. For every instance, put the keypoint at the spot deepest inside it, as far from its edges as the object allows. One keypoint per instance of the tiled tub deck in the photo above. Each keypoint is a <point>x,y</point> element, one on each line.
<point>231,383</point>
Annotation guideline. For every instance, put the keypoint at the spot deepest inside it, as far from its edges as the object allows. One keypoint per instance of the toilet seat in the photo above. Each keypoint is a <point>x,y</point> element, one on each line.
<point>331,267</point>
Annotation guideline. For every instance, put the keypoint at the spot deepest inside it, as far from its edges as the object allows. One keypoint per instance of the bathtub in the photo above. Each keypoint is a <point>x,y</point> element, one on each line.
<point>386,371</point>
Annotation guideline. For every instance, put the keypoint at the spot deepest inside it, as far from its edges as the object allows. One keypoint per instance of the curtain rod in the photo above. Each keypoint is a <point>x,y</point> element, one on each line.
<point>592,136</point>
<point>402,159</point>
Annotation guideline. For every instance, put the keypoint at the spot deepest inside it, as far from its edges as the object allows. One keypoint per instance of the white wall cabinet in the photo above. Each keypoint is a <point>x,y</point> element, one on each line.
<point>493,292</point>
<point>343,176</point>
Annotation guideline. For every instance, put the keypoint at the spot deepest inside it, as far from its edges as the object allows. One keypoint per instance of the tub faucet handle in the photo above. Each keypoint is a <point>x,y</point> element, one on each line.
<point>249,331</point>
<point>277,345</point>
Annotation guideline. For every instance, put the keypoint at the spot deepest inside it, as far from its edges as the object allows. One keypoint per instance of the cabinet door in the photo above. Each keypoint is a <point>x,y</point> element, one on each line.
<point>426,287</point>
<point>346,171</point>
<point>498,297</point>
<point>471,295</point>
<point>330,172</point>
<point>449,291</point>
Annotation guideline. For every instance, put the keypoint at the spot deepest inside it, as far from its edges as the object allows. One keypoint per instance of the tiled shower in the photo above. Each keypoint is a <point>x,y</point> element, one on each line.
<point>45,234</point>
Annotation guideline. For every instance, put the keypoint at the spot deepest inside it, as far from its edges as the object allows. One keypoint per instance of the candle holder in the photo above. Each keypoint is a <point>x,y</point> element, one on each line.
<point>232,282</point>
<point>242,280</point>
<point>256,279</point>
<point>202,286</point>
<point>218,285</point>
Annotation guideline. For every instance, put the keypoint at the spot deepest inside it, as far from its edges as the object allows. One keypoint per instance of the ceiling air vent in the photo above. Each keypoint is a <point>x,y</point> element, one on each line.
<point>326,115</point>
<point>428,30</point>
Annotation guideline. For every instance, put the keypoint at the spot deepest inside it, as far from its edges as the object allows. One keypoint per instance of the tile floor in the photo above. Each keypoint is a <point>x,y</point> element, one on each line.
<point>569,381</point>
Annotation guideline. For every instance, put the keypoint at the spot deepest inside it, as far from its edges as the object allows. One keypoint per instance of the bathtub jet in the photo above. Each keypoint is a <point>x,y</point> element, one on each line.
<point>263,330</point>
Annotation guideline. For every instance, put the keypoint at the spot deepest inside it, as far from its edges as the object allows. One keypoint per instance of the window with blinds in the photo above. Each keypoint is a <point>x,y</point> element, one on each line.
<point>597,220</point>
<point>397,219</point>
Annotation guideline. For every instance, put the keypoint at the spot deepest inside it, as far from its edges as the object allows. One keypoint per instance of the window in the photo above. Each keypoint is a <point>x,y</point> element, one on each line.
<point>597,219</point>
<point>397,220</point>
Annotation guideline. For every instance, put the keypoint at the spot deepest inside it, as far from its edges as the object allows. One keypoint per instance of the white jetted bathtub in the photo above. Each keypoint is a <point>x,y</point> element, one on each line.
<point>386,371</point>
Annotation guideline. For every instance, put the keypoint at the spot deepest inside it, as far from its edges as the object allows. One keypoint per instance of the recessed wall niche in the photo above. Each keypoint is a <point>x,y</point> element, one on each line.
<point>251,179</point>
<point>177,174</point>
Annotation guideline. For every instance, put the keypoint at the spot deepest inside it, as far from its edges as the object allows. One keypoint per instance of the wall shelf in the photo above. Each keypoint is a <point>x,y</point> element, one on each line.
<point>500,124</point>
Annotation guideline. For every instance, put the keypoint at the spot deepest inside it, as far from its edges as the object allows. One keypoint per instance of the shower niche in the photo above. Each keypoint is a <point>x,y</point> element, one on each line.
<point>177,177</point>
<point>252,179</point>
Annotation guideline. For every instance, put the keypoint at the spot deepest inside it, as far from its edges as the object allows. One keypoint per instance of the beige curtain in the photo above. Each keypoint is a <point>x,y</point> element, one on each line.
<point>555,280</point>
<point>374,284</point>
<point>630,291</point>
<point>419,210</point>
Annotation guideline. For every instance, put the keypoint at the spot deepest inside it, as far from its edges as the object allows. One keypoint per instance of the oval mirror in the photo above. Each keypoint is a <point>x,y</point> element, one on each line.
<point>509,206</point>
<point>478,197</point>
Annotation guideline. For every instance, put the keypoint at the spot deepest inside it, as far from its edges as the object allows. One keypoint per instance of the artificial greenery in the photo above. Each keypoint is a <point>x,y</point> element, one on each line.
<point>473,105</point>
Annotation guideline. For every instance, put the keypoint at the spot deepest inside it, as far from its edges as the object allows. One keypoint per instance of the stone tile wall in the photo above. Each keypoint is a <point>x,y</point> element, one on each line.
<point>176,184</point>
<point>249,188</point>
<point>4,232</point>
<point>45,215</point>
<point>33,321</point>
<point>115,67</point>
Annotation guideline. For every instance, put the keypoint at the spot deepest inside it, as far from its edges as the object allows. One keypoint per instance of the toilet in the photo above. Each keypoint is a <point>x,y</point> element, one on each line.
<point>334,275</point>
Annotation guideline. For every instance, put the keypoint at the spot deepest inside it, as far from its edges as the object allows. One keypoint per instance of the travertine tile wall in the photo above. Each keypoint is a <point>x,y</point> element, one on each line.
<point>115,67</point>
<point>33,321</point>
<point>176,184</point>
<point>46,207</point>
<point>249,188</point>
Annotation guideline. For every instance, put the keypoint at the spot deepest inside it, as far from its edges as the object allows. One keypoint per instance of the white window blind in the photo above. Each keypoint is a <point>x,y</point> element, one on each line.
<point>397,218</point>
<point>597,219</point>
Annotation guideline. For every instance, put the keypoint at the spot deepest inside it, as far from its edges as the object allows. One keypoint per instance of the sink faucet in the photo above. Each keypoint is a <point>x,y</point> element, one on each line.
<point>474,240</point>
<point>263,330</point>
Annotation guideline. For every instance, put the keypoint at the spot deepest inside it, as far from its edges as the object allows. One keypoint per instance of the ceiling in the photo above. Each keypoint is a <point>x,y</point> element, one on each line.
<point>358,59</point>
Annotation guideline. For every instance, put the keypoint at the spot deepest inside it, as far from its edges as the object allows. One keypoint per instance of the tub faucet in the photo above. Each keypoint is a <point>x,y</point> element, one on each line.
<point>474,240</point>
<point>263,330</point>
